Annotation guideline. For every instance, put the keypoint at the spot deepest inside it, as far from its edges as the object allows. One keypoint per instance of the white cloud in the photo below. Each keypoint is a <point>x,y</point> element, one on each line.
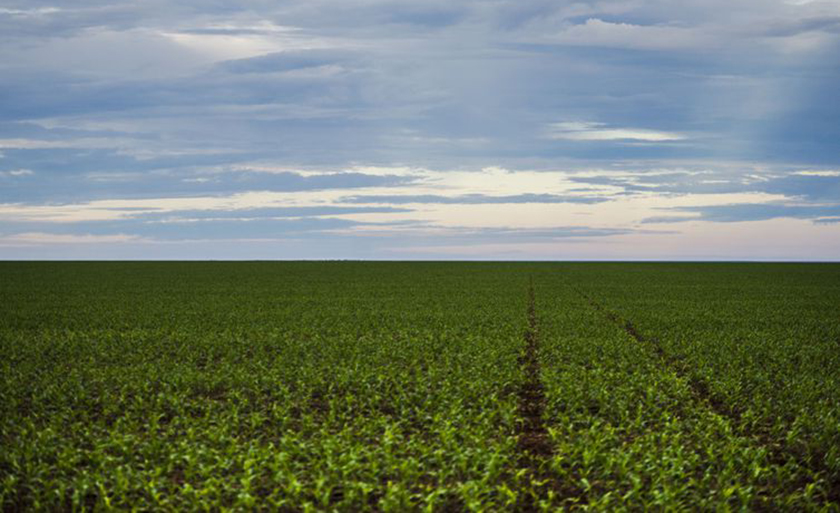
<point>595,32</point>
<point>17,172</point>
<point>40,238</point>
<point>817,173</point>
<point>224,41</point>
<point>84,142</point>
<point>217,47</point>
<point>585,131</point>
<point>32,144</point>
<point>108,210</point>
<point>617,207</point>
<point>141,149</point>
<point>30,13</point>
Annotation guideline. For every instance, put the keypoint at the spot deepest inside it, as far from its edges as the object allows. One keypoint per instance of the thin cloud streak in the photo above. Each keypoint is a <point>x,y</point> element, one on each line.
<point>580,131</point>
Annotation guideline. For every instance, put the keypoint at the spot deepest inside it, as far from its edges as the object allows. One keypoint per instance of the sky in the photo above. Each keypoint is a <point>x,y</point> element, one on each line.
<point>393,129</point>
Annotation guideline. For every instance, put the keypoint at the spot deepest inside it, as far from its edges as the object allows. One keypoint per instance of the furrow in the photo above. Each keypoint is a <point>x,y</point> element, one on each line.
<point>779,451</point>
<point>698,387</point>
<point>533,438</point>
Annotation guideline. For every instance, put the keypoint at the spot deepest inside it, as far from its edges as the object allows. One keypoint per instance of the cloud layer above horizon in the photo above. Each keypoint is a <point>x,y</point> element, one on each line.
<point>392,129</point>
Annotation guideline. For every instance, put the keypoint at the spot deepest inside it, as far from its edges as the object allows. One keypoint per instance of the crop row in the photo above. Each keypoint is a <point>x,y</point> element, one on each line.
<point>630,432</point>
<point>418,386</point>
<point>300,390</point>
<point>760,341</point>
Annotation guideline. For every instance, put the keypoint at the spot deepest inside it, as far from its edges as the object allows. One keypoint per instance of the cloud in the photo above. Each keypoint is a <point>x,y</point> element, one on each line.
<point>42,239</point>
<point>586,131</point>
<point>245,204</point>
<point>502,243</point>
<point>827,220</point>
<point>818,173</point>
<point>810,186</point>
<point>27,13</point>
<point>16,172</point>
<point>334,121</point>
<point>750,212</point>
<point>225,42</point>
<point>259,214</point>
<point>596,32</point>
<point>286,61</point>
<point>88,142</point>
<point>473,199</point>
<point>32,144</point>
<point>93,177</point>
<point>466,234</point>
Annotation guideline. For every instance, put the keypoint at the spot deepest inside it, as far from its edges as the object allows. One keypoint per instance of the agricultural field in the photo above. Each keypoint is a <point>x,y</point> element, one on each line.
<point>387,386</point>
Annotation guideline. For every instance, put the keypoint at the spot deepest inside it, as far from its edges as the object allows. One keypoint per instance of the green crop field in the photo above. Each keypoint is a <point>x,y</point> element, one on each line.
<point>349,386</point>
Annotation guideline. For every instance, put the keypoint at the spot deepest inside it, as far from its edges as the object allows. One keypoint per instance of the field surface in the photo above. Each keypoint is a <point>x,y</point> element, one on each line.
<point>349,386</point>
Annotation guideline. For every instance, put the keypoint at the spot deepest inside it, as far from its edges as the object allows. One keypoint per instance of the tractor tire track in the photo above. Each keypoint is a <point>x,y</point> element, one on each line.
<point>533,435</point>
<point>699,388</point>
<point>533,440</point>
<point>779,451</point>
